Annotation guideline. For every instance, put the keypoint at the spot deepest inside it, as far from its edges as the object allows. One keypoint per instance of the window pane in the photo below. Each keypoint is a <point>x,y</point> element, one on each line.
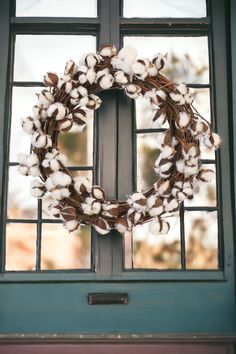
<point>56,8</point>
<point>202,102</point>
<point>23,99</point>
<point>20,246</point>
<point>37,54</point>
<point>78,146</point>
<point>152,251</point>
<point>201,235</point>
<point>164,8</point>
<point>64,250</point>
<point>187,56</point>
<point>206,195</point>
<point>147,153</point>
<point>47,200</point>
<point>20,203</point>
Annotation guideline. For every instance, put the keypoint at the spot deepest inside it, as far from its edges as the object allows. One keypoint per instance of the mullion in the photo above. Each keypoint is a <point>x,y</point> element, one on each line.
<point>182,237</point>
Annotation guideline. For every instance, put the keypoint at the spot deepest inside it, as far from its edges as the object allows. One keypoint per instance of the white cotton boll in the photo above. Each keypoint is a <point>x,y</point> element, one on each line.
<point>82,79</point>
<point>139,69</point>
<point>57,110</point>
<point>61,179</point>
<point>41,141</point>
<point>165,167</point>
<point>177,98</point>
<point>54,165</point>
<point>167,152</point>
<point>123,225</point>
<point>170,205</point>
<point>45,163</point>
<point>91,60</point>
<point>152,70</point>
<point>91,76</point>
<point>45,98</point>
<point>82,184</point>
<point>182,88</point>
<point>82,91</point>
<point>34,171</point>
<point>180,164</point>
<point>101,231</point>
<point>30,125</point>
<point>36,192</point>
<point>23,170</point>
<point>151,201</point>
<point>160,140</point>
<point>122,65</point>
<point>156,211</point>
<point>155,227</point>
<point>22,158</point>
<point>106,82</point>
<point>159,121</point>
<point>74,93</point>
<point>133,91</point>
<point>212,140</point>
<point>32,160</point>
<point>165,227</point>
<point>190,170</point>
<point>120,78</point>
<point>96,207</point>
<point>37,189</point>
<point>87,209</point>
<point>184,119</point>
<point>56,194</point>
<point>83,101</point>
<point>40,112</point>
<point>162,188</point>
<point>128,54</point>
<point>71,225</point>
<point>65,193</point>
<point>108,50</point>
<point>71,68</point>
<point>98,193</point>
<point>206,175</point>
<point>66,125</point>
<point>49,184</point>
<point>161,94</point>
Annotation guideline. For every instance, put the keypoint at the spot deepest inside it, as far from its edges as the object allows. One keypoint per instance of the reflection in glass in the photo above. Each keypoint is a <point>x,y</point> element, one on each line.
<point>56,8</point>
<point>47,200</point>
<point>23,99</point>
<point>147,153</point>
<point>78,146</point>
<point>187,56</point>
<point>205,195</point>
<point>164,8</point>
<point>37,54</point>
<point>152,251</point>
<point>20,246</point>
<point>20,203</point>
<point>201,235</point>
<point>64,250</point>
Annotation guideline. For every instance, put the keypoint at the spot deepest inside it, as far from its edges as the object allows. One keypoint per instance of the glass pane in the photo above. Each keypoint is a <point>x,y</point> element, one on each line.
<point>152,251</point>
<point>164,8</point>
<point>202,102</point>
<point>78,146</point>
<point>61,250</point>
<point>147,153</point>
<point>20,246</point>
<point>37,54</point>
<point>206,195</point>
<point>201,235</point>
<point>56,8</point>
<point>23,99</point>
<point>20,203</point>
<point>47,200</point>
<point>188,59</point>
<point>144,115</point>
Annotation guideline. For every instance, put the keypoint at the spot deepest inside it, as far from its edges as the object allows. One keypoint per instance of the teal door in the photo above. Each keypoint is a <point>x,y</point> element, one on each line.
<point>182,284</point>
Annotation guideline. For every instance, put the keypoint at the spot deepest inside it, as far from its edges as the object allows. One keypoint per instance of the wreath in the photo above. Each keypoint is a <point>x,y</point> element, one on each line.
<point>67,101</point>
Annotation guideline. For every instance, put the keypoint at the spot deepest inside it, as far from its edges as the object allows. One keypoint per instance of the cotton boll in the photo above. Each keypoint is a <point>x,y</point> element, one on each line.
<point>40,112</point>
<point>139,69</point>
<point>123,224</point>
<point>51,79</point>
<point>159,61</point>
<point>23,170</point>
<point>98,193</point>
<point>30,125</point>
<point>165,227</point>
<point>60,178</point>
<point>82,185</point>
<point>32,160</point>
<point>41,141</point>
<point>65,125</point>
<point>110,210</point>
<point>94,102</point>
<point>91,76</point>
<point>120,77</point>
<point>180,165</point>
<point>212,140</point>
<point>152,70</point>
<point>190,170</point>
<point>65,193</point>
<point>122,65</point>
<point>102,226</point>
<point>170,204</point>
<point>57,110</point>
<point>71,68</point>
<point>206,175</point>
<point>128,54</point>
<point>138,201</point>
<point>177,98</point>
<point>183,120</point>
<point>133,91</point>
<point>162,188</point>
<point>45,98</point>
<point>34,171</point>
<point>71,225</point>
<point>155,227</point>
<point>107,50</point>
<point>134,216</point>
<point>37,189</point>
<point>91,60</point>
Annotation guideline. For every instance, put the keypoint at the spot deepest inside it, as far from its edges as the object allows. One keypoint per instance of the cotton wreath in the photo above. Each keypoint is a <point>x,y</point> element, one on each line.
<point>66,102</point>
